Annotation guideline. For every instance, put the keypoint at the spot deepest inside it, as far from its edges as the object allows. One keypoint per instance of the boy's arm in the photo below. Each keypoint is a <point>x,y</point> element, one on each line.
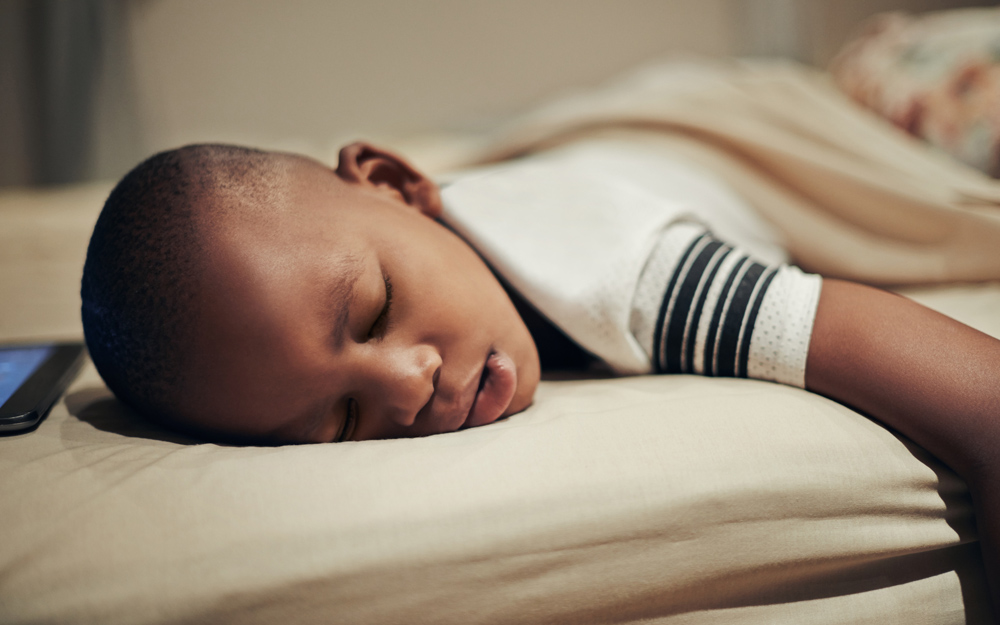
<point>930,377</point>
<point>702,306</point>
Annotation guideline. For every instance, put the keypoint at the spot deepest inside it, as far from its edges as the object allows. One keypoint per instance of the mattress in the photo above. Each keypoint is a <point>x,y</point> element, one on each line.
<point>669,499</point>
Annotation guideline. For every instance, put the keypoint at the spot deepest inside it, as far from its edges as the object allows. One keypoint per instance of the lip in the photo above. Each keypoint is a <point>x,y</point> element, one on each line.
<point>495,389</point>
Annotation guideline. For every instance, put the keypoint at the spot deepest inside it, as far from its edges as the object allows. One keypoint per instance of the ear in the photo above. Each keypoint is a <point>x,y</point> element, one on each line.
<point>363,163</point>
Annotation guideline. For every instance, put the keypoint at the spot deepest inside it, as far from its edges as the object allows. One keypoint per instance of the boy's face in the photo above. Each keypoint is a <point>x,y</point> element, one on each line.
<point>348,313</point>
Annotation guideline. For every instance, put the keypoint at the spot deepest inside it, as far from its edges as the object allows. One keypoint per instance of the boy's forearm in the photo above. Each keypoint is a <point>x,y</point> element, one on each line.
<point>932,378</point>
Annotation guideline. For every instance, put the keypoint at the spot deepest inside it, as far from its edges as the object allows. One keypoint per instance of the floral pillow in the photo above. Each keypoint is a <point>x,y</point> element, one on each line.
<point>937,76</point>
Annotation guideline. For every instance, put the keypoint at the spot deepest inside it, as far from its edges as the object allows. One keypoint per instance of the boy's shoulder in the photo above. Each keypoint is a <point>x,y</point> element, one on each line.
<point>595,195</point>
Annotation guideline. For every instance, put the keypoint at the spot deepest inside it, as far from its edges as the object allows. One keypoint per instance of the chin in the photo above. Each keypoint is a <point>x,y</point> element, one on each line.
<point>516,406</point>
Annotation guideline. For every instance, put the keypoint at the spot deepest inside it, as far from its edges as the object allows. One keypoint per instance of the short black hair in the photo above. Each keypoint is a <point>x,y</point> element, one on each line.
<point>140,284</point>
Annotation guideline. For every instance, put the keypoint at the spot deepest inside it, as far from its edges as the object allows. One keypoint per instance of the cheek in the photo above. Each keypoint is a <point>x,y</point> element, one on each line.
<point>459,284</point>
<point>455,291</point>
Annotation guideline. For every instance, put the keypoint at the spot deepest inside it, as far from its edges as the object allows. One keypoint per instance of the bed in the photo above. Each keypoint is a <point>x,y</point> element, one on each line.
<point>671,499</point>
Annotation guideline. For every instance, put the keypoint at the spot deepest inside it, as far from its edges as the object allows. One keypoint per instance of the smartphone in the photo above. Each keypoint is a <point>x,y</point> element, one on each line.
<point>32,378</point>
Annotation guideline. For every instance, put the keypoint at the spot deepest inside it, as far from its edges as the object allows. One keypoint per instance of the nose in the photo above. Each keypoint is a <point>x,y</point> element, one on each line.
<point>411,374</point>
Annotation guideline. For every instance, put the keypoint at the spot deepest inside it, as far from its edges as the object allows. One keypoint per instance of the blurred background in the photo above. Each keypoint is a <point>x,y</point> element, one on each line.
<point>90,87</point>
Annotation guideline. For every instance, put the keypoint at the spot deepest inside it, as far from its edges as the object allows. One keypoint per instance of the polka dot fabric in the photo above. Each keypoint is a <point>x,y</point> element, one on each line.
<point>781,335</point>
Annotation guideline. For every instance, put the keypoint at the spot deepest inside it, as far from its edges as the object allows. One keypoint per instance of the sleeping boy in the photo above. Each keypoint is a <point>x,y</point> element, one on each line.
<point>263,297</point>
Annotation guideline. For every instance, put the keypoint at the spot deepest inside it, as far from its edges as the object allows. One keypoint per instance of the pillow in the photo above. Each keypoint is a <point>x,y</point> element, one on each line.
<point>632,500</point>
<point>937,76</point>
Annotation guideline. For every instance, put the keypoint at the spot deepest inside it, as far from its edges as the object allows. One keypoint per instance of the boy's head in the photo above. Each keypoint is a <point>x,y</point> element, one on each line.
<point>265,297</point>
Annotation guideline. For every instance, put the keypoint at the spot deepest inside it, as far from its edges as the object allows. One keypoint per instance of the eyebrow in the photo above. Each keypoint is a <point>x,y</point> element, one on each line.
<point>341,296</point>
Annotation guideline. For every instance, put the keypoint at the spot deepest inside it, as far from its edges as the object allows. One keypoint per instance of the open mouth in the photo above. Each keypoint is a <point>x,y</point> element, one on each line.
<point>495,391</point>
<point>482,378</point>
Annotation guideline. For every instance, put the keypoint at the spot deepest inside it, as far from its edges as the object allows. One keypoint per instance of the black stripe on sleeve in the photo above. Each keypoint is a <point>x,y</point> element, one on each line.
<point>659,360</point>
<point>741,370</point>
<point>713,328</point>
<point>699,308</point>
<point>730,334</point>
<point>680,314</point>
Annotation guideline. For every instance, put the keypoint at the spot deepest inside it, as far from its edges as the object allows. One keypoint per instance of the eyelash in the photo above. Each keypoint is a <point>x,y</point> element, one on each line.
<point>378,330</point>
<point>350,422</point>
<point>381,324</point>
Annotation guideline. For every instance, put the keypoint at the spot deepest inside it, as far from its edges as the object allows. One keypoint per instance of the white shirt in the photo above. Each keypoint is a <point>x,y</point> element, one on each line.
<point>572,230</point>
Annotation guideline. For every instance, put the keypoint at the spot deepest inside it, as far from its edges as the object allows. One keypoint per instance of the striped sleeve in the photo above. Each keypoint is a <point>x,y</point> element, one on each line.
<point>702,306</point>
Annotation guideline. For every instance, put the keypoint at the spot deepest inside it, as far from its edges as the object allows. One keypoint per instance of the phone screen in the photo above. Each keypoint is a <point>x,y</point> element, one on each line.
<point>32,378</point>
<point>17,365</point>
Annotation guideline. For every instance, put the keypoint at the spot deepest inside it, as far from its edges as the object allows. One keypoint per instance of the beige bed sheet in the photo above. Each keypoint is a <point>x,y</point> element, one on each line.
<point>639,500</point>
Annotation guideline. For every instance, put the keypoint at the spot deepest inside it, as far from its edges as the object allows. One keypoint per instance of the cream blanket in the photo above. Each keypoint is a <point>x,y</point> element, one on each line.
<point>854,197</point>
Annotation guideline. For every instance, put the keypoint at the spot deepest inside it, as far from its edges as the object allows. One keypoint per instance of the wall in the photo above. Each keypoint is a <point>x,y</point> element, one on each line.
<point>308,74</point>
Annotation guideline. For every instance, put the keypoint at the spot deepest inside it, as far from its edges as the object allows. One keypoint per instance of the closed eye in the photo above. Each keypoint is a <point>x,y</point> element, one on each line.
<point>381,324</point>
